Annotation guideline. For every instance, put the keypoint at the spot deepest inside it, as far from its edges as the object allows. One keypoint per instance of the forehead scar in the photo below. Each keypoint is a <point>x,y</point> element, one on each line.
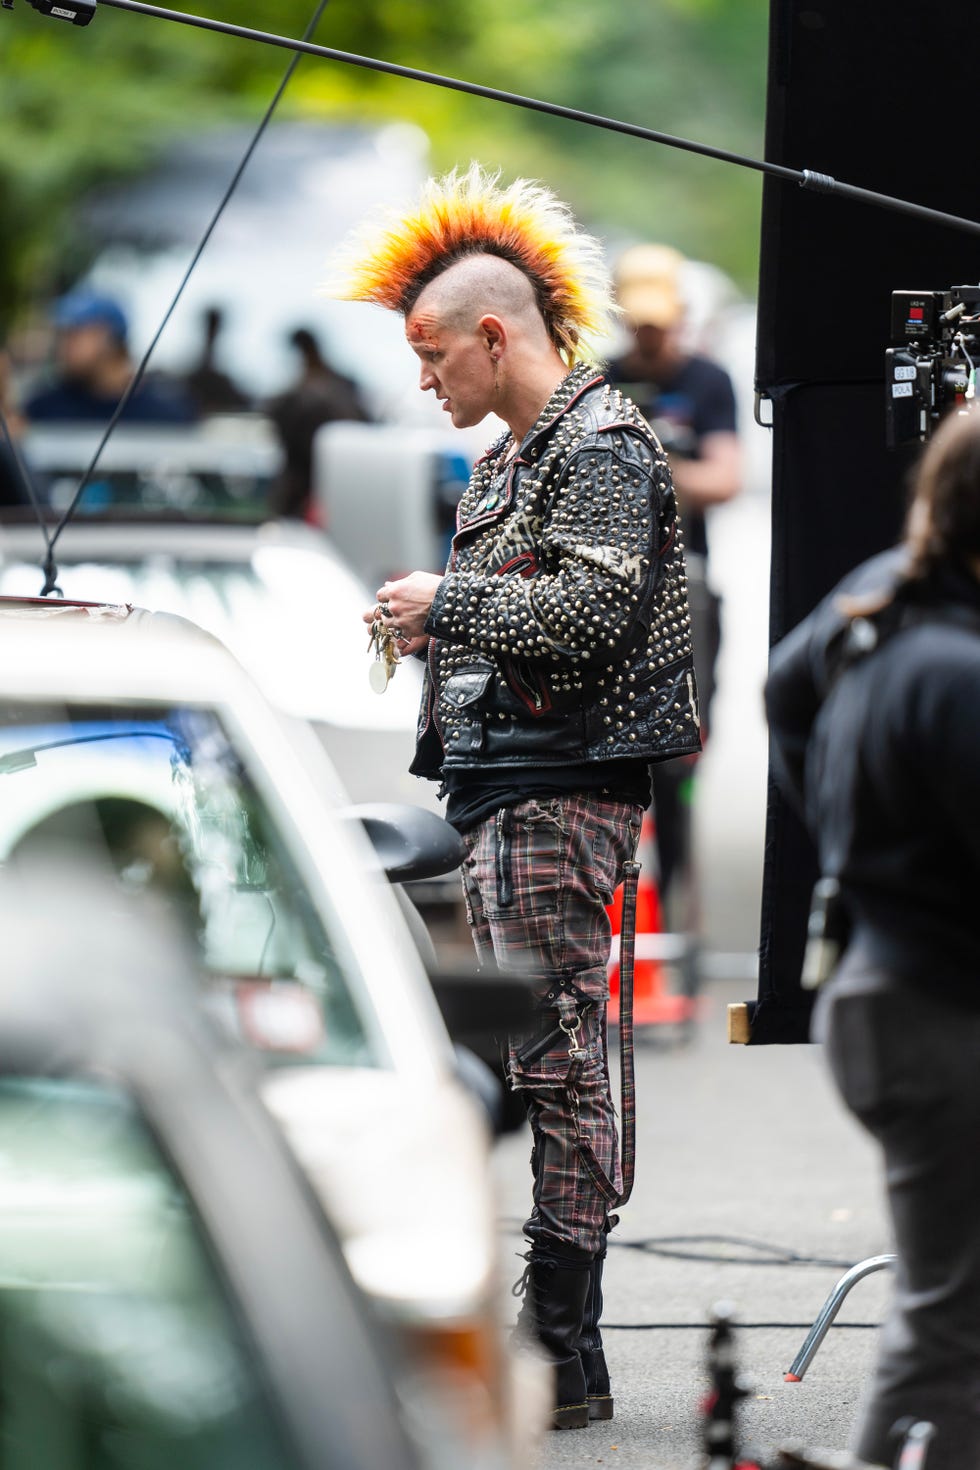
<point>422,330</point>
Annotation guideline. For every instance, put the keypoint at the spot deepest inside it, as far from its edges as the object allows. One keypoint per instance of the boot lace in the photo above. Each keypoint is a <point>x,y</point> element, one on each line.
<point>520,1286</point>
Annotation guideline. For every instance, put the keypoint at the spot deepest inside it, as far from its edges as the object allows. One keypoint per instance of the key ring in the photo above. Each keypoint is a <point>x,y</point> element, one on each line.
<point>386,656</point>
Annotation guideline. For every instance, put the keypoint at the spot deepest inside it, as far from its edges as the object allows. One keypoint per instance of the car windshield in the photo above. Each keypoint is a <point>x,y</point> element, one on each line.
<point>187,474</point>
<point>120,1346</point>
<point>161,798</point>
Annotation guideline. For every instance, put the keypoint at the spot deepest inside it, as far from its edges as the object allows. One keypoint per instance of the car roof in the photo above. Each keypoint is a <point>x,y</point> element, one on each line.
<point>71,650</point>
<point>278,595</point>
<point>137,539</point>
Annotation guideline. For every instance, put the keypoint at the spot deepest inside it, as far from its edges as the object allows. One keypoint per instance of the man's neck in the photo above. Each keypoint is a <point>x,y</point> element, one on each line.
<point>525,400</point>
<point>657,368</point>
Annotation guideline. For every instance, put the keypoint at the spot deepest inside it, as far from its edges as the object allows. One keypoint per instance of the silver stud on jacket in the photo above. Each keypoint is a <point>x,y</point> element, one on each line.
<point>561,631</point>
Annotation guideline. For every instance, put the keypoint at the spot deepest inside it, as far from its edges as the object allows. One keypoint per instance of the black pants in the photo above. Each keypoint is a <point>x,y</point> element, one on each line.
<point>908,1067</point>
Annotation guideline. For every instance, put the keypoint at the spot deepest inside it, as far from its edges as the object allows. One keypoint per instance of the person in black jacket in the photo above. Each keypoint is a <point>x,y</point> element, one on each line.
<point>874,708</point>
<point>559,664</point>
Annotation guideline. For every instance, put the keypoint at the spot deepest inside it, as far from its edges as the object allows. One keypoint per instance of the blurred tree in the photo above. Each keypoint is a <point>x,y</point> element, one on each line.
<point>80,107</point>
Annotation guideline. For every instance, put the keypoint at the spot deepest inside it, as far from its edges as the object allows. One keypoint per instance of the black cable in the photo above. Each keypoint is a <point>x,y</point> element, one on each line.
<point>806,178</point>
<point>777,1255</point>
<point>455,84</point>
<point>761,1253</point>
<point>755,1252</point>
<point>50,569</point>
<point>741,1326</point>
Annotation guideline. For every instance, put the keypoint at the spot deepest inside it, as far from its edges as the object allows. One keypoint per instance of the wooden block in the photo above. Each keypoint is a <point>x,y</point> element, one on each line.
<point>739,1024</point>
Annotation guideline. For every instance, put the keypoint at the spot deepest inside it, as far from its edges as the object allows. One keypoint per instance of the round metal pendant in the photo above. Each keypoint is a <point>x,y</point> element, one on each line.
<point>378,677</point>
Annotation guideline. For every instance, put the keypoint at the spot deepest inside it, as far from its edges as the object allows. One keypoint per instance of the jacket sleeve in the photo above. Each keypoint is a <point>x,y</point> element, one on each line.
<point>793,699</point>
<point>802,666</point>
<point>598,570</point>
<point>943,739</point>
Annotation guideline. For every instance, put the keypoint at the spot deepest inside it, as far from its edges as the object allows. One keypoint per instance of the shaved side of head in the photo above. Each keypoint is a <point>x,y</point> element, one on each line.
<point>478,286</point>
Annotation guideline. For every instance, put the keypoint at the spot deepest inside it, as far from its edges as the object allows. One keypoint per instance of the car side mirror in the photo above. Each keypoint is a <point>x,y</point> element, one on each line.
<point>480,1008</point>
<point>411,843</point>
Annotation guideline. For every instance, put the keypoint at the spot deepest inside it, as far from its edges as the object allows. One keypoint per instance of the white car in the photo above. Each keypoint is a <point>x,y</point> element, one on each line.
<point>170,1292</point>
<point>138,739</point>
<point>174,521</point>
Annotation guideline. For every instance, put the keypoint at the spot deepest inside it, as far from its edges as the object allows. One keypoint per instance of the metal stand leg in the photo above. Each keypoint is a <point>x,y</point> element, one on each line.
<point>829,1311</point>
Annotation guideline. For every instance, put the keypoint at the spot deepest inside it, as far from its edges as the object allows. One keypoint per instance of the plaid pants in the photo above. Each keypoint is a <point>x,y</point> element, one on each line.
<point>536,879</point>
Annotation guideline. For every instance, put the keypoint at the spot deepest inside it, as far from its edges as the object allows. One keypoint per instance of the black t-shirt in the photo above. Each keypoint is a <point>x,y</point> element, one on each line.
<point>475,795</point>
<point>698,399</point>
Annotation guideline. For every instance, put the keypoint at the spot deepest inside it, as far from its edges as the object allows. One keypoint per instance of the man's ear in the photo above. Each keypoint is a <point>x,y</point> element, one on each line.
<point>494,334</point>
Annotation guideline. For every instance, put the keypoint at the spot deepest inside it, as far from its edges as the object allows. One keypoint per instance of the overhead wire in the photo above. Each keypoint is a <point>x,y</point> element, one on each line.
<point>821,183</point>
<point>806,178</point>
<point>305,46</point>
<point>50,568</point>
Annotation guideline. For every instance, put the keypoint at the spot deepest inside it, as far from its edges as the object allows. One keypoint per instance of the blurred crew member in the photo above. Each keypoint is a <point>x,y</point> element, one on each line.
<point>211,389</point>
<point>874,706</point>
<point>12,491</point>
<point>320,395</point>
<point>93,369</point>
<point>690,404</point>
<point>558,666</point>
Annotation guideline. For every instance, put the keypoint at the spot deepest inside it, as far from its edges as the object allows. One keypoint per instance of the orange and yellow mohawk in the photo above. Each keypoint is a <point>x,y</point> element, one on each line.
<point>469,213</point>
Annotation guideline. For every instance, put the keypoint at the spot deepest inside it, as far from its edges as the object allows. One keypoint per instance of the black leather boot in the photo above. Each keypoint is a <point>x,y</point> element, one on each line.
<point>600,1400</point>
<point>557,1285</point>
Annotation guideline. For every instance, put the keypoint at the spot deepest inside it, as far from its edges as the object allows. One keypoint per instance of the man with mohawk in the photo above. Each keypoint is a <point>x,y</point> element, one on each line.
<point>558,656</point>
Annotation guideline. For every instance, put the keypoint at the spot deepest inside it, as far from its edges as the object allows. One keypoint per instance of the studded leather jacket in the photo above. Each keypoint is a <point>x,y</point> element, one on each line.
<point>561,632</point>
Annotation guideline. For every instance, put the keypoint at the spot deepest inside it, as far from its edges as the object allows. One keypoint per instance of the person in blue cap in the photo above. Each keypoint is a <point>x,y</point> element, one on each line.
<point>93,368</point>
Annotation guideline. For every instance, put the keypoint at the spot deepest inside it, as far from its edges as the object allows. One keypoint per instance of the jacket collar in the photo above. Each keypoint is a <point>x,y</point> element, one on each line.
<point>582,377</point>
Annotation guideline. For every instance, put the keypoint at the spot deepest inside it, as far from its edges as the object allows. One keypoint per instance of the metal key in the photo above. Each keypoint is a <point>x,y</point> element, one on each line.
<point>386,656</point>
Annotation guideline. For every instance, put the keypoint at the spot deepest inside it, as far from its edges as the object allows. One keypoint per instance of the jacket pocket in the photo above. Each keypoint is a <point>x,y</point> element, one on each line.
<point>529,685</point>
<point>466,687</point>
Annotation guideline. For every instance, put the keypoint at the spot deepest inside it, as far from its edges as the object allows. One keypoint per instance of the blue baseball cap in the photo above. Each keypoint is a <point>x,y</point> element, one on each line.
<point>87,308</point>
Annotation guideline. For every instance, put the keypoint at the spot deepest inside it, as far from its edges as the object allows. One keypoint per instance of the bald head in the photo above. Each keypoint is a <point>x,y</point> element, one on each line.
<point>478,286</point>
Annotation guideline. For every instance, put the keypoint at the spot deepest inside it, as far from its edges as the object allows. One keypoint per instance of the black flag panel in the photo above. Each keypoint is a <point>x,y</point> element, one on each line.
<point>877,95</point>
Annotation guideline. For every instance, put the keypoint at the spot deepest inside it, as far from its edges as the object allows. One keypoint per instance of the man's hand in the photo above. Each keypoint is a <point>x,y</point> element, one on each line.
<point>403,606</point>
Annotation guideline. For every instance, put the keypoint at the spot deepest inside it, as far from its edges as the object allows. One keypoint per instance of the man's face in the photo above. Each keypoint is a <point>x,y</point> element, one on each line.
<point>658,349</point>
<point>456,365</point>
<point>82,350</point>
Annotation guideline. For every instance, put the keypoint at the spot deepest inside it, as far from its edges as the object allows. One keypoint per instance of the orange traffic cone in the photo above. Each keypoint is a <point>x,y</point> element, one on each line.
<point>653,1002</point>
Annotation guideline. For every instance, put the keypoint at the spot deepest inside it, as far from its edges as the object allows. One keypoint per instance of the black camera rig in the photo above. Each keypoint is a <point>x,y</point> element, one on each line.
<point>931,369</point>
<point>75,12</point>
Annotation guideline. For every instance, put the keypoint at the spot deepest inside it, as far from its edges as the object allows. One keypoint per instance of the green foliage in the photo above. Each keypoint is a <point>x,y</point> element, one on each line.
<point>80,107</point>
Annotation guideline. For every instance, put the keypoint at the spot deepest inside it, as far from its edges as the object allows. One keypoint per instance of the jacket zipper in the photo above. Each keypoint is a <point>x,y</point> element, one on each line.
<point>505,884</point>
<point>532,695</point>
<point>433,716</point>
